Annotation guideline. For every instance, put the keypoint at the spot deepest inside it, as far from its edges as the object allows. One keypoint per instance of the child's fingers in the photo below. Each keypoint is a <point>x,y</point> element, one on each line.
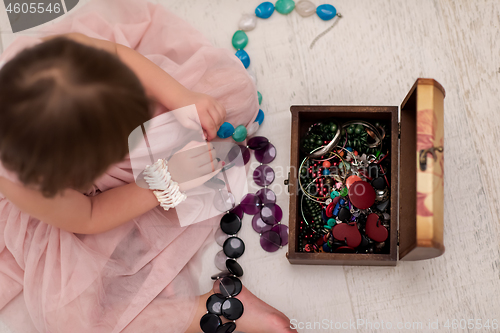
<point>193,149</point>
<point>210,167</point>
<point>219,165</point>
<point>192,145</point>
<point>198,181</point>
<point>216,115</point>
<point>208,162</point>
<point>203,148</point>
<point>206,169</point>
<point>208,157</point>
<point>209,126</point>
<point>222,111</point>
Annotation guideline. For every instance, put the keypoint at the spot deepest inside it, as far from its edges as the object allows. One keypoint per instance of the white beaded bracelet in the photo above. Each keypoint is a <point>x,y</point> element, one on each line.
<point>165,189</point>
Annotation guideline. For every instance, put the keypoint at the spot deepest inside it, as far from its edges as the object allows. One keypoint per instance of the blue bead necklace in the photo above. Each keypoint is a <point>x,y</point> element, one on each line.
<point>248,22</point>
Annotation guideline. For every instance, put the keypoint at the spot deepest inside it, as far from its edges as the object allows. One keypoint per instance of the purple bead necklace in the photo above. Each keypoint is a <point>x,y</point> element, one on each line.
<point>262,205</point>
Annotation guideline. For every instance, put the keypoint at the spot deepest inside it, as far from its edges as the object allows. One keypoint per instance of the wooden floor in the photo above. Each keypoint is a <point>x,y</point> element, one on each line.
<point>372,57</point>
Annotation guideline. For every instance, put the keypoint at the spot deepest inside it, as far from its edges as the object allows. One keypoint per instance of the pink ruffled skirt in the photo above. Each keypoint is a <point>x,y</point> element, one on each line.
<point>141,276</point>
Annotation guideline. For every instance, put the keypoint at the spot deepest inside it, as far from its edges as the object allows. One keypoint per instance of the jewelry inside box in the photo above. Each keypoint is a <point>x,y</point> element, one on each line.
<point>344,190</point>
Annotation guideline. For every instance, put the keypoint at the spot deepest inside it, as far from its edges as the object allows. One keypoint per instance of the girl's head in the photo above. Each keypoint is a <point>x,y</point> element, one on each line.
<point>66,110</point>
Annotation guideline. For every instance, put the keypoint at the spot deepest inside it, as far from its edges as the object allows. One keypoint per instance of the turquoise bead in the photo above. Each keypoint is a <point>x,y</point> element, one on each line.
<point>225,130</point>
<point>240,133</point>
<point>326,172</point>
<point>331,222</point>
<point>264,10</point>
<point>260,117</point>
<point>259,95</point>
<point>240,40</point>
<point>326,12</point>
<point>349,148</point>
<point>284,6</point>
<point>243,56</point>
<point>334,194</point>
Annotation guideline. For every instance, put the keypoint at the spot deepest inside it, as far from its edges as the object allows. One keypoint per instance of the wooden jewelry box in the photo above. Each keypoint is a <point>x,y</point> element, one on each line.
<point>416,180</point>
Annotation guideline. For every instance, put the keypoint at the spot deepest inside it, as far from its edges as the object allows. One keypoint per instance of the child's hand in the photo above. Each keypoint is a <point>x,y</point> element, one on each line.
<point>194,164</point>
<point>167,91</point>
<point>211,113</point>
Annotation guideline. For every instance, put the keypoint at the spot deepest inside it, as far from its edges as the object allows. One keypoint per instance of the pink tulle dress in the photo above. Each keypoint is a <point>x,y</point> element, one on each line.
<point>141,276</point>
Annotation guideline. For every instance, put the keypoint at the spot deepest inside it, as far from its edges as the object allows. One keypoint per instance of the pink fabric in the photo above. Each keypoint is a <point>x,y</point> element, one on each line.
<point>138,277</point>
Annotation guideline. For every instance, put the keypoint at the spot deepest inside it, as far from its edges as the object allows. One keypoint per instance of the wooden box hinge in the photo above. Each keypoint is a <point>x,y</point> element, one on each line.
<point>399,130</point>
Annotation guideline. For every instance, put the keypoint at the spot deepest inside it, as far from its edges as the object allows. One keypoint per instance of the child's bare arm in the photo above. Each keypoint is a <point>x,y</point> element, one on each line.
<point>160,85</point>
<point>74,212</point>
<point>171,93</point>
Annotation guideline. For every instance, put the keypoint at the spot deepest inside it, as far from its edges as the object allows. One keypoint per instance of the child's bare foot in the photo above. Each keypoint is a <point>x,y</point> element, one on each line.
<point>260,317</point>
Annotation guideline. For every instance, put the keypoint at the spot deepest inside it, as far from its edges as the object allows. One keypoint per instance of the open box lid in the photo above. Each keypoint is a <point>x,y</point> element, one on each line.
<point>421,172</point>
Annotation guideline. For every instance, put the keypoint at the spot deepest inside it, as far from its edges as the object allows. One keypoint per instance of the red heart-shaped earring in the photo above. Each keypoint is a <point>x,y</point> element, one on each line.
<point>374,228</point>
<point>348,233</point>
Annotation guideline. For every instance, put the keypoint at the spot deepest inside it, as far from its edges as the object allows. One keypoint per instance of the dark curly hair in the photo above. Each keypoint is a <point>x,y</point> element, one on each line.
<point>66,111</point>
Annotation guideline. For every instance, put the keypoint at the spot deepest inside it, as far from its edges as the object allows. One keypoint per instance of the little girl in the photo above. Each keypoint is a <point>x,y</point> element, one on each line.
<point>82,247</point>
